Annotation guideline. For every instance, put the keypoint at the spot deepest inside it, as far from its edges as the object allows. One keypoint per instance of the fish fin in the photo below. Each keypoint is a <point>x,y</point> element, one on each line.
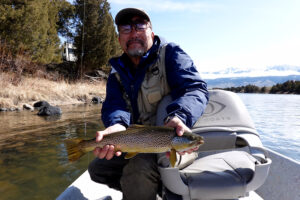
<point>137,126</point>
<point>130,155</point>
<point>173,158</point>
<point>74,149</point>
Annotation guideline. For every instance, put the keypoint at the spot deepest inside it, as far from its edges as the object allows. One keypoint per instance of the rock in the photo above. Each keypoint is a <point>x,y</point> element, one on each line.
<point>12,109</point>
<point>97,100</point>
<point>49,111</point>
<point>40,104</point>
<point>52,118</point>
<point>27,107</point>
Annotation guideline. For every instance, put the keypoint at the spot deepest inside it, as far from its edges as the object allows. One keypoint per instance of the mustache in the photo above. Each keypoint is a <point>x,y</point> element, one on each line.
<point>135,40</point>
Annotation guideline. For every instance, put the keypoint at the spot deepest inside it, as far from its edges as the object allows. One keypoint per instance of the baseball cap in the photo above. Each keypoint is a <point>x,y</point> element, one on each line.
<point>126,14</point>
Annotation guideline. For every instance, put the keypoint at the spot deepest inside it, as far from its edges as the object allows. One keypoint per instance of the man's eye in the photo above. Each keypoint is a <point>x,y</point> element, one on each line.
<point>141,26</point>
<point>125,27</point>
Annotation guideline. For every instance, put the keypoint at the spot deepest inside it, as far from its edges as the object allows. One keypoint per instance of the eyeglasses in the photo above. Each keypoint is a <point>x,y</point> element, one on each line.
<point>127,28</point>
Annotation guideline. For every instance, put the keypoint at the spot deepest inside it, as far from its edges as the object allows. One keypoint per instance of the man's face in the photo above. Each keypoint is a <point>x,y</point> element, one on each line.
<point>136,38</point>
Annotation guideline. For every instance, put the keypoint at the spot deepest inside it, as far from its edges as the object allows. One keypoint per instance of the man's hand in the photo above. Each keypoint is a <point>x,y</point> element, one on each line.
<point>108,151</point>
<point>180,127</point>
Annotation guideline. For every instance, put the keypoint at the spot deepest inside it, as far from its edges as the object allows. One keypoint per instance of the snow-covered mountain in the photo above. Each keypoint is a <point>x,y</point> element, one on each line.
<point>234,77</point>
<point>282,70</point>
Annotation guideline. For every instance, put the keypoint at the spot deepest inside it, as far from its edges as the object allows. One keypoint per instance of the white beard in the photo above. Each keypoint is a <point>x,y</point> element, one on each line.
<point>138,52</point>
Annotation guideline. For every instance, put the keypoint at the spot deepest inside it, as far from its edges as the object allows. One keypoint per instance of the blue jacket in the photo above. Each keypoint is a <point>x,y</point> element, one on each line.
<point>188,90</point>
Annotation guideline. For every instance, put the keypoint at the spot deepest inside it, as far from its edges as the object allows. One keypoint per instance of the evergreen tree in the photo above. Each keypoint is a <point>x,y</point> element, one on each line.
<point>251,89</point>
<point>11,13</point>
<point>31,26</point>
<point>96,39</point>
<point>65,12</point>
<point>263,90</point>
<point>297,87</point>
<point>275,89</point>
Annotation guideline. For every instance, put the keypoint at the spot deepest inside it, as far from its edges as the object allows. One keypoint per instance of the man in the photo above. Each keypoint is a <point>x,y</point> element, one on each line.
<point>148,70</point>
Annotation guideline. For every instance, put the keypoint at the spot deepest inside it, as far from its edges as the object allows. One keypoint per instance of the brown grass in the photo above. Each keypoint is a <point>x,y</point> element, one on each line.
<point>23,81</point>
<point>30,90</point>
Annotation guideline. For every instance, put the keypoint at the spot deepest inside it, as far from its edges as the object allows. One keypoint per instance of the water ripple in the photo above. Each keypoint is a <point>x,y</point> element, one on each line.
<point>277,119</point>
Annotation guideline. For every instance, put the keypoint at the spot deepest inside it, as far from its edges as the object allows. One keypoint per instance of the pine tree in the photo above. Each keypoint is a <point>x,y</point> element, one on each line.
<point>65,12</point>
<point>96,39</point>
<point>32,26</point>
<point>263,89</point>
<point>11,13</point>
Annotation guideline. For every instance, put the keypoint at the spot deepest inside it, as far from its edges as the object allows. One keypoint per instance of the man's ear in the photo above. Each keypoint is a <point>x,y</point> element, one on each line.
<point>152,35</point>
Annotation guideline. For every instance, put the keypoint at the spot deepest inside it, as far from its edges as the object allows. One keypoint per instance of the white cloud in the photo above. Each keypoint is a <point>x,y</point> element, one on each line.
<point>168,5</point>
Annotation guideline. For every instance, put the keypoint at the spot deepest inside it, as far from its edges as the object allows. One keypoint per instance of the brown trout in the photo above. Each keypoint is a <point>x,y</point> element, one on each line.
<point>138,139</point>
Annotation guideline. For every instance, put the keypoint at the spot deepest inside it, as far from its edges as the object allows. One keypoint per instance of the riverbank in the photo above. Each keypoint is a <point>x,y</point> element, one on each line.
<point>30,90</point>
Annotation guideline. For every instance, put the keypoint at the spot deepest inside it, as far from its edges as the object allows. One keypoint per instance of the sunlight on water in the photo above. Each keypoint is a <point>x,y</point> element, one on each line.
<point>277,119</point>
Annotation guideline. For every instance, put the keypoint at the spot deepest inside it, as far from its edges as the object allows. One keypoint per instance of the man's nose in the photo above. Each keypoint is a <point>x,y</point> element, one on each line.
<point>133,32</point>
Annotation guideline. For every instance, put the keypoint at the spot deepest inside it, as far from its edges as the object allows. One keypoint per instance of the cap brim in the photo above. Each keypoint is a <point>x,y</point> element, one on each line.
<point>127,13</point>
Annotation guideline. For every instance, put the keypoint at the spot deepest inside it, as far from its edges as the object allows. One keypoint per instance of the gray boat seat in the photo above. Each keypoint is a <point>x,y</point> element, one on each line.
<point>231,162</point>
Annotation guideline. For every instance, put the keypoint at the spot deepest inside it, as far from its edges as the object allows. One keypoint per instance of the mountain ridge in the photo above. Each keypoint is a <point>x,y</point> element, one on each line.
<point>259,81</point>
<point>278,70</point>
<point>236,77</point>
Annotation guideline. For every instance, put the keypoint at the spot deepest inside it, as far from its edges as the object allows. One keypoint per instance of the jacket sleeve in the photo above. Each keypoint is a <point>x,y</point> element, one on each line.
<point>114,108</point>
<point>188,90</point>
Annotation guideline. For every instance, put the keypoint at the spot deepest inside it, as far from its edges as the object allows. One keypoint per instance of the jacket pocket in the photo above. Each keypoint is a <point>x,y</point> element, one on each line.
<point>154,96</point>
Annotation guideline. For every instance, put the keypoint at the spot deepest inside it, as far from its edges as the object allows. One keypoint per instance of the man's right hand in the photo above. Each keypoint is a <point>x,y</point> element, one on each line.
<point>108,151</point>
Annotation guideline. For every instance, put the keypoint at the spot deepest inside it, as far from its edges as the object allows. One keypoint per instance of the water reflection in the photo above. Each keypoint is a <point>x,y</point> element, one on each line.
<point>33,158</point>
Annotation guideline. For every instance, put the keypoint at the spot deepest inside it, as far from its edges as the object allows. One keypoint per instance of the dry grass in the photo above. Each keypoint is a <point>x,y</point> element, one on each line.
<point>30,90</point>
<point>22,81</point>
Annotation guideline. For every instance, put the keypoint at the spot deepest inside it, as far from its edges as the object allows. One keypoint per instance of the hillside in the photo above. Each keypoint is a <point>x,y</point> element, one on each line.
<point>235,77</point>
<point>260,81</point>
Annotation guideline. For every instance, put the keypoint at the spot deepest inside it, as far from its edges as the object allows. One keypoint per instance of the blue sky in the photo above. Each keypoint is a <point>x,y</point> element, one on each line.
<point>219,34</point>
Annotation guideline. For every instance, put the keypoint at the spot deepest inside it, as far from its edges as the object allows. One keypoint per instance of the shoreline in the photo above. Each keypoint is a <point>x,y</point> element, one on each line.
<point>14,97</point>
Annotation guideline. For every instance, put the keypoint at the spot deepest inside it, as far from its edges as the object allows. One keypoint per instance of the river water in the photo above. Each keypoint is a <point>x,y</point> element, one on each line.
<point>277,119</point>
<point>33,158</point>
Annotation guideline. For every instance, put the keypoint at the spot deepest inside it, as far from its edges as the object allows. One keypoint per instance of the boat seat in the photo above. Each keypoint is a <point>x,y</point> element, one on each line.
<point>232,161</point>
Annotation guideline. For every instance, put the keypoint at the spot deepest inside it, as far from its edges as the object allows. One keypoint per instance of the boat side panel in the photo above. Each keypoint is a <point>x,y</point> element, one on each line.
<point>283,181</point>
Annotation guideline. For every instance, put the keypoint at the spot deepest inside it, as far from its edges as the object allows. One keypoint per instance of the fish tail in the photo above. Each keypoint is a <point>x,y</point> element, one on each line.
<point>74,149</point>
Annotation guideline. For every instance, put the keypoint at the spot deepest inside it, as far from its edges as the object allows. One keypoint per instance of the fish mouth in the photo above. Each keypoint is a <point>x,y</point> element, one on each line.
<point>200,142</point>
<point>196,143</point>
